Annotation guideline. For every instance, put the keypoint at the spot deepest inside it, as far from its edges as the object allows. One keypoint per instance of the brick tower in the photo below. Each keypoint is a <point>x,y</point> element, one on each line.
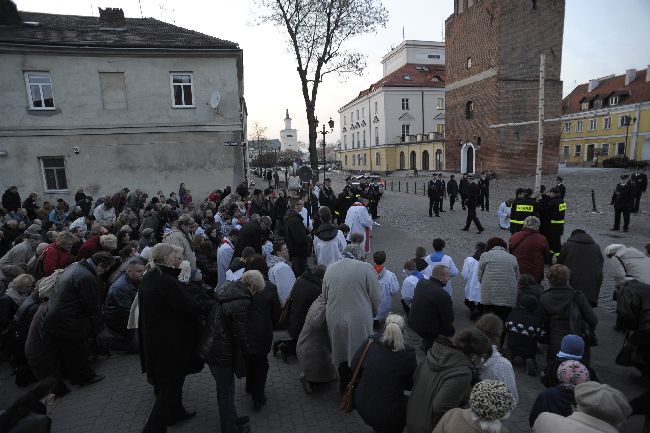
<point>492,58</point>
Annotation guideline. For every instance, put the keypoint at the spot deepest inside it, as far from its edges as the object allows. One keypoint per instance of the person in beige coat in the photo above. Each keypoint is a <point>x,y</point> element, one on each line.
<point>181,236</point>
<point>353,294</point>
<point>600,409</point>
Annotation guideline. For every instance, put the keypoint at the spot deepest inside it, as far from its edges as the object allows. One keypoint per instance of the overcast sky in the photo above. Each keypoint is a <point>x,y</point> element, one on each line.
<point>601,37</point>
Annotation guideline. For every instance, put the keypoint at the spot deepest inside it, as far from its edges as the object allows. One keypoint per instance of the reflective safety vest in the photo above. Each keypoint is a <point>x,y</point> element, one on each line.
<point>521,208</point>
<point>556,208</point>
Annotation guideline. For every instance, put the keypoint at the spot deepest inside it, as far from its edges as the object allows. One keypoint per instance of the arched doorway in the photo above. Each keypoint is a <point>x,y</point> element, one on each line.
<point>402,161</point>
<point>425,160</point>
<point>468,158</point>
<point>439,161</point>
<point>413,160</point>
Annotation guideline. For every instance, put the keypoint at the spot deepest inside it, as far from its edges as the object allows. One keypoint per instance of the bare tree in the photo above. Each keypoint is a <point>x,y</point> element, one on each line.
<point>317,30</point>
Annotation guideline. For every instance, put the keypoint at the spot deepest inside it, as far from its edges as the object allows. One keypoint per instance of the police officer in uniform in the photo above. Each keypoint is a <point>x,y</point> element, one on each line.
<point>463,190</point>
<point>326,197</point>
<point>552,213</point>
<point>640,182</point>
<point>442,189</point>
<point>374,195</point>
<point>523,206</point>
<point>472,202</point>
<point>452,191</point>
<point>560,186</point>
<point>433,193</point>
<point>622,199</point>
<point>484,187</point>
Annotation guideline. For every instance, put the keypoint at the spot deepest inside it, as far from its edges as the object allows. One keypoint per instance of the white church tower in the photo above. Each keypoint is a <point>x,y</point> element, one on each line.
<point>288,136</point>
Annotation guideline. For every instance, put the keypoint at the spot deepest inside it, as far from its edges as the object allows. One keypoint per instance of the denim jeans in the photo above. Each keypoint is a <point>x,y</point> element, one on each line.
<point>225,380</point>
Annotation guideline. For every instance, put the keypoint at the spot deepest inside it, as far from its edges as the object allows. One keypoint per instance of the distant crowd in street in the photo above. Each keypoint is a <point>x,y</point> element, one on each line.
<point>185,282</point>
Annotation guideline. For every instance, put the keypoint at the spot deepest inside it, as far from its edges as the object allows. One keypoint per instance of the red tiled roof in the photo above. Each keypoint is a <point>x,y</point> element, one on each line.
<point>420,76</point>
<point>86,31</point>
<point>637,91</point>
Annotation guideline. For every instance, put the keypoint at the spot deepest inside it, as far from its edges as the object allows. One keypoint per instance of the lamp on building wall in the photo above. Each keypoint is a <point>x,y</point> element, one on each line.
<point>627,119</point>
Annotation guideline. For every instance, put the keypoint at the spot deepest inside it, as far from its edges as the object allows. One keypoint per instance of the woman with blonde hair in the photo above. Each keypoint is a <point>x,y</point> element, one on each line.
<point>388,368</point>
<point>168,317</point>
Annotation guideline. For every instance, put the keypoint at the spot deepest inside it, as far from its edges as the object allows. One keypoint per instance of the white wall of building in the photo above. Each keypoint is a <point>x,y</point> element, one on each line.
<point>419,52</point>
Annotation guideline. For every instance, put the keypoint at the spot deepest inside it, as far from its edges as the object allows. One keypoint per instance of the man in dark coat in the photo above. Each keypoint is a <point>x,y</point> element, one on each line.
<point>11,199</point>
<point>119,299</point>
<point>431,309</point>
<point>452,191</point>
<point>640,180</point>
<point>168,330</point>
<point>296,237</point>
<point>326,197</point>
<point>582,255</point>
<point>434,197</point>
<point>633,314</point>
<point>253,234</point>
<point>484,198</point>
<point>76,316</point>
<point>463,190</point>
<point>30,206</point>
<point>622,199</point>
<point>442,190</point>
<point>472,202</point>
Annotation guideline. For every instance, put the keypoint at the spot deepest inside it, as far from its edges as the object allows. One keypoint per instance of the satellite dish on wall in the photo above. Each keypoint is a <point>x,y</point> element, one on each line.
<point>215,98</point>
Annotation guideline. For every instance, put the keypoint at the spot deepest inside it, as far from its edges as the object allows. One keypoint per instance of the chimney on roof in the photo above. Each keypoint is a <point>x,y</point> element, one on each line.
<point>9,13</point>
<point>592,85</point>
<point>630,75</point>
<point>111,17</point>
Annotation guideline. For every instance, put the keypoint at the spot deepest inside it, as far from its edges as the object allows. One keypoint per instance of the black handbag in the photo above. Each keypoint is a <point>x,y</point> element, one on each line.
<point>629,355</point>
<point>578,324</point>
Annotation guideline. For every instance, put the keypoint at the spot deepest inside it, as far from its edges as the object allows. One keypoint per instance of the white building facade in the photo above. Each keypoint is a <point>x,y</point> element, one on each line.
<point>406,105</point>
<point>288,136</point>
<point>155,106</point>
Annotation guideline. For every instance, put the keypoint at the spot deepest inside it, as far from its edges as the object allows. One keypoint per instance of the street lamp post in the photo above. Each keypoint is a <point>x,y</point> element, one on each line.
<point>627,120</point>
<point>325,132</point>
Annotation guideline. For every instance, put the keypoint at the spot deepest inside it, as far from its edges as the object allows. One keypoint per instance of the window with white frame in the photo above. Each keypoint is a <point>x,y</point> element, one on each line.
<point>567,127</point>
<point>53,171</point>
<point>357,115</point>
<point>577,150</point>
<point>345,141</point>
<point>440,128</point>
<point>376,136</point>
<point>440,104</point>
<point>584,106</point>
<point>354,158</point>
<point>579,126</point>
<point>363,112</point>
<point>406,131</point>
<point>590,150</point>
<point>598,103</point>
<point>607,122</point>
<point>622,121</point>
<point>346,160</point>
<point>358,139</point>
<point>364,138</point>
<point>620,148</point>
<point>364,159</point>
<point>604,149</point>
<point>39,90</point>
<point>375,107</point>
<point>345,120</point>
<point>566,152</point>
<point>182,87</point>
<point>613,100</point>
<point>405,104</point>
<point>378,158</point>
<point>592,124</point>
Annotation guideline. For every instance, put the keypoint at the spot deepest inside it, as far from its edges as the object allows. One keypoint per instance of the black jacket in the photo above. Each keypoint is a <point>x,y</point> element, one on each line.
<point>484,186</point>
<point>296,235</point>
<point>326,197</point>
<point>640,180</point>
<point>473,193</point>
<point>76,313</point>
<point>558,399</point>
<point>633,309</point>
<point>11,200</point>
<point>585,260</point>
<point>250,235</point>
<point>264,315</point>
<point>431,310</point>
<point>623,196</point>
<point>452,188</point>
<point>168,326</point>
<point>7,310</point>
<point>523,329</point>
<point>225,334</point>
<point>463,187</point>
<point>433,191</point>
<point>304,292</point>
<point>379,396</point>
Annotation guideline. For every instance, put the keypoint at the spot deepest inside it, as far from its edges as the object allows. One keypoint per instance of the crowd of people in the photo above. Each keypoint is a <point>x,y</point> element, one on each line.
<point>185,283</point>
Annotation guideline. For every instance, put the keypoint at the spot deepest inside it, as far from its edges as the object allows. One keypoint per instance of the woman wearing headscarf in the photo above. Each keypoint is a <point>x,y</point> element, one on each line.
<point>387,372</point>
<point>351,288</point>
<point>560,399</point>
<point>167,327</point>
<point>489,403</point>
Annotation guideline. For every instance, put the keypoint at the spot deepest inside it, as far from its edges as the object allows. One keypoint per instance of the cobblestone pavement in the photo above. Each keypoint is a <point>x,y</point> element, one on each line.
<point>122,402</point>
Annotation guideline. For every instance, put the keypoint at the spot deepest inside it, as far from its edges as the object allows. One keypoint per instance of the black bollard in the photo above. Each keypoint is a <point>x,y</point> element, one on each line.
<point>593,200</point>
<point>407,187</point>
<point>391,185</point>
<point>415,188</point>
<point>399,186</point>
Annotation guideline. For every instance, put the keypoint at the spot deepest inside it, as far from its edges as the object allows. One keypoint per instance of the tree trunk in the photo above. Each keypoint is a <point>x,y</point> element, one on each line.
<point>313,139</point>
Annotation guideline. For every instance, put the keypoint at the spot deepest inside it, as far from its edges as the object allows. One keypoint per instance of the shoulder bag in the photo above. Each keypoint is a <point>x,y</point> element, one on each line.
<point>346,402</point>
<point>578,324</point>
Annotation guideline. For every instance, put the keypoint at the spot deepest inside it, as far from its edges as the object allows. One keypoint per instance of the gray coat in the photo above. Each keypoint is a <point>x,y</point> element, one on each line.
<point>180,239</point>
<point>353,294</point>
<point>498,273</point>
<point>313,348</point>
<point>18,255</point>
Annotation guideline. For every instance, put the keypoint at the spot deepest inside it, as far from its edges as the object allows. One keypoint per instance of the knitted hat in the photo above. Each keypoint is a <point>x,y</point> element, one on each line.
<point>603,402</point>
<point>572,373</point>
<point>490,400</point>
<point>572,347</point>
